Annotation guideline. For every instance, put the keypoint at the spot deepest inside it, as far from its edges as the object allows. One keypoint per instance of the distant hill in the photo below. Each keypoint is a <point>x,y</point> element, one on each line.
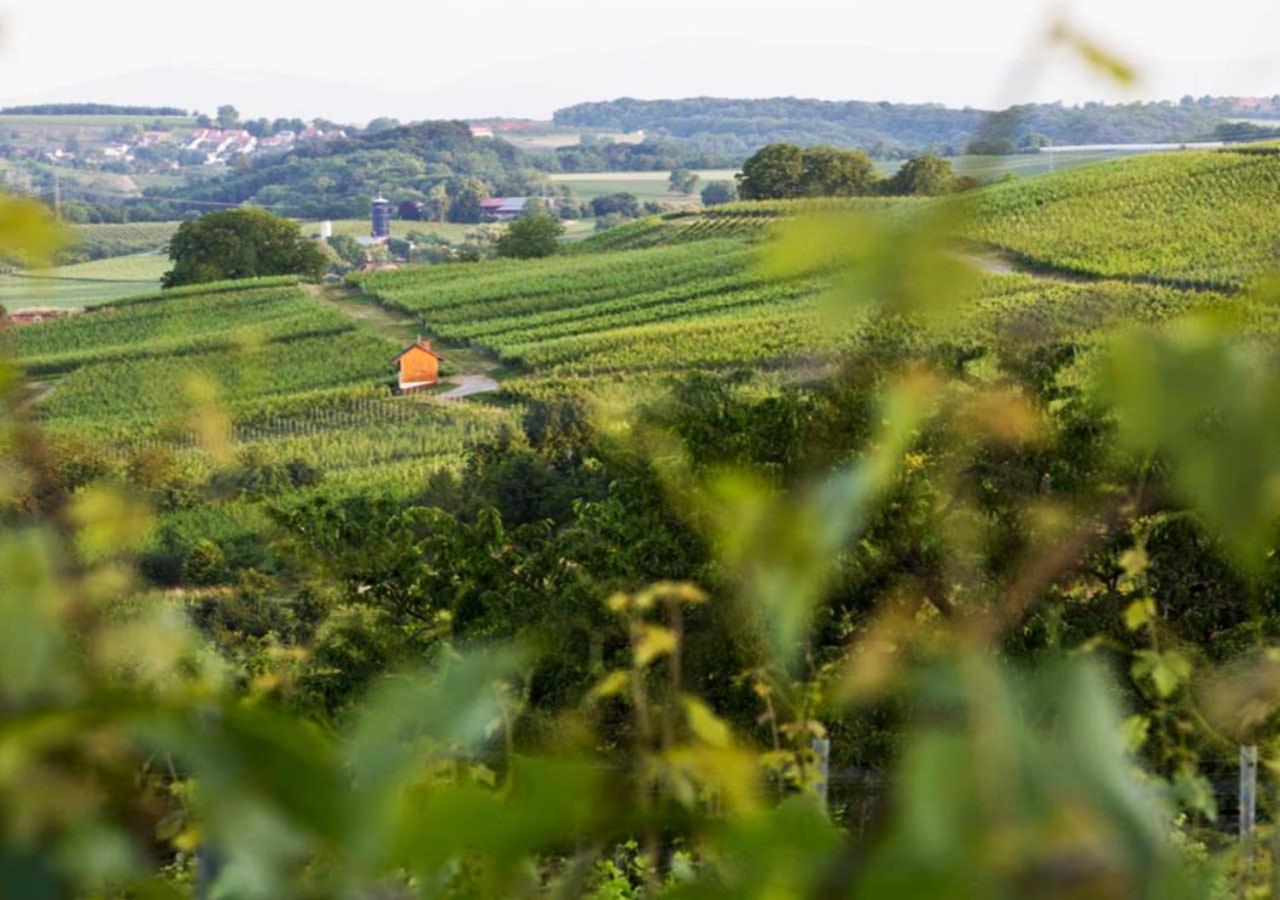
<point>92,109</point>
<point>334,179</point>
<point>736,127</point>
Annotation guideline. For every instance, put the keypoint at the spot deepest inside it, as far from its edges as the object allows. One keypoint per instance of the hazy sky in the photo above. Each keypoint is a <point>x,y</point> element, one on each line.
<point>526,57</point>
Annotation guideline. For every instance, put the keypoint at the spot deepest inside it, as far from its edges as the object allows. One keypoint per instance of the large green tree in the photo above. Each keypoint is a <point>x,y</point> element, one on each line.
<point>772,172</point>
<point>781,171</point>
<point>530,237</point>
<point>240,243</point>
<point>923,176</point>
<point>465,206</point>
<point>832,172</point>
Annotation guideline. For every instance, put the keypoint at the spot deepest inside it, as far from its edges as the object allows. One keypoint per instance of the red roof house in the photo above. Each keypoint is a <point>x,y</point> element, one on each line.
<point>419,366</point>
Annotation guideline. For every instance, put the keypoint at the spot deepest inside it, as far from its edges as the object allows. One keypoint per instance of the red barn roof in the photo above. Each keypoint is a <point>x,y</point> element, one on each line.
<point>419,344</point>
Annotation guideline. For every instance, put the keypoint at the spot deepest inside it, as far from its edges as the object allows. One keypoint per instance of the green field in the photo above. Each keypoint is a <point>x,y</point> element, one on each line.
<point>653,185</point>
<point>634,305</point>
<point>299,379</point>
<point>664,295</point>
<point>83,284</point>
<point>1204,218</point>
<point>644,185</point>
<point>40,131</point>
<point>452,232</point>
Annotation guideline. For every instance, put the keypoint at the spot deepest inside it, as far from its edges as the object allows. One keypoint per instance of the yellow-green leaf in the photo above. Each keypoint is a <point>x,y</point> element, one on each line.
<point>705,724</point>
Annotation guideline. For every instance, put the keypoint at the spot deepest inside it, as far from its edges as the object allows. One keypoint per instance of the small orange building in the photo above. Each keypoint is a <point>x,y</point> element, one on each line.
<point>419,366</point>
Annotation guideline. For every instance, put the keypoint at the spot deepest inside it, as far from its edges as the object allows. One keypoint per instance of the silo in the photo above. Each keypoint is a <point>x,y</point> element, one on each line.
<point>381,217</point>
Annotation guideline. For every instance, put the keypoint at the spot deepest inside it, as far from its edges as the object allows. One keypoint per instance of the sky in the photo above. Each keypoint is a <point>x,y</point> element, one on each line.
<point>473,58</point>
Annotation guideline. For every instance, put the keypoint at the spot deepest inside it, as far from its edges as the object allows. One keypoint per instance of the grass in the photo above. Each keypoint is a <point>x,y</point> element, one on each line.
<point>644,185</point>
<point>84,284</point>
<point>400,228</point>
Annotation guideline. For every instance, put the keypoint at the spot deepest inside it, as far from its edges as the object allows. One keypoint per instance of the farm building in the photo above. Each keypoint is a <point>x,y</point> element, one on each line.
<point>504,208</point>
<point>34,315</point>
<point>419,366</point>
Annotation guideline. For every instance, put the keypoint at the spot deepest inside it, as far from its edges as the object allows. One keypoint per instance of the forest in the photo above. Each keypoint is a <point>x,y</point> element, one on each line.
<point>736,127</point>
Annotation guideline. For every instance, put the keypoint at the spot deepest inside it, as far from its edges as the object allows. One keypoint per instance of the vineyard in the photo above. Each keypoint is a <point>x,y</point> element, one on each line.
<point>122,239</point>
<point>297,380</point>
<point>706,305</point>
<point>1202,219</point>
<point>745,220</point>
<point>301,380</point>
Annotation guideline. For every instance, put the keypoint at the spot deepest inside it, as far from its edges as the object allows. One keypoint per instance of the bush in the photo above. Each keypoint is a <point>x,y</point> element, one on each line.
<point>206,564</point>
<point>718,192</point>
<point>530,237</point>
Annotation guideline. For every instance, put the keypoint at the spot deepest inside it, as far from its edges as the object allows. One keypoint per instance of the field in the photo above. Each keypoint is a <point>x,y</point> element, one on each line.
<point>305,380</point>
<point>99,241</point>
<point>653,185</point>
<point>644,185</point>
<point>1027,165</point>
<point>679,301</point>
<point>47,132</point>
<point>298,380</point>
<point>551,137</point>
<point>1204,219</point>
<point>400,228</point>
<point>83,284</point>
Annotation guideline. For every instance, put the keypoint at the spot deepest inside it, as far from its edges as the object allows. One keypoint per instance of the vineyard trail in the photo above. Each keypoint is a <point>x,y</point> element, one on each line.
<point>476,366</point>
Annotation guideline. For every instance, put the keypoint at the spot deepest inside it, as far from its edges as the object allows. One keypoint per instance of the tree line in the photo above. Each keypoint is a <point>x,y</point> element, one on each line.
<point>91,109</point>
<point>737,127</point>
<point>784,171</point>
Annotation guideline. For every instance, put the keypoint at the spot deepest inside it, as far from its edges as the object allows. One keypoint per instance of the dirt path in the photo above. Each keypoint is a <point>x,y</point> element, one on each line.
<point>402,328</point>
<point>466,386</point>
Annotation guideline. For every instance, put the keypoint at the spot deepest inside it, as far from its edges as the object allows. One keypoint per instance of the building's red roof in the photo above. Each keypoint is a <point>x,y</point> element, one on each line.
<point>420,344</point>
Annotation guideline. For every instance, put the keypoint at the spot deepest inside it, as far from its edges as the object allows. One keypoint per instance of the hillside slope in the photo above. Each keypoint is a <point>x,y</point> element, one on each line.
<point>1198,219</point>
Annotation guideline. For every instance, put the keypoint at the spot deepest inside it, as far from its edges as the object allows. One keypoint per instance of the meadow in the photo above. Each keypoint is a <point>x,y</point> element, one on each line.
<point>452,232</point>
<point>83,284</point>
<point>646,186</point>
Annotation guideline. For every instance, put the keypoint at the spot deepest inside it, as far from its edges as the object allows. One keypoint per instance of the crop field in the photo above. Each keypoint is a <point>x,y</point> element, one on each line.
<point>121,239</point>
<point>702,304</point>
<point>1202,219</point>
<point>296,379</point>
<point>400,228</point>
<point>644,185</point>
<point>83,284</point>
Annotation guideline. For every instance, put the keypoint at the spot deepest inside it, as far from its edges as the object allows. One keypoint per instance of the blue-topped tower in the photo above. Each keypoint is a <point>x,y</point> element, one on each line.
<point>381,217</point>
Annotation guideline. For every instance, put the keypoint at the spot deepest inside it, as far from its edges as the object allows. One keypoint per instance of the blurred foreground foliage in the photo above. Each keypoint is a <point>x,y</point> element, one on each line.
<point>1008,567</point>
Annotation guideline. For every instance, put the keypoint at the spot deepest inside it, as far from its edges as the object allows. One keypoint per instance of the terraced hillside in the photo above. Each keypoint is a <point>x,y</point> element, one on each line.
<point>1197,218</point>
<point>745,220</point>
<point>706,305</point>
<point>297,379</point>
